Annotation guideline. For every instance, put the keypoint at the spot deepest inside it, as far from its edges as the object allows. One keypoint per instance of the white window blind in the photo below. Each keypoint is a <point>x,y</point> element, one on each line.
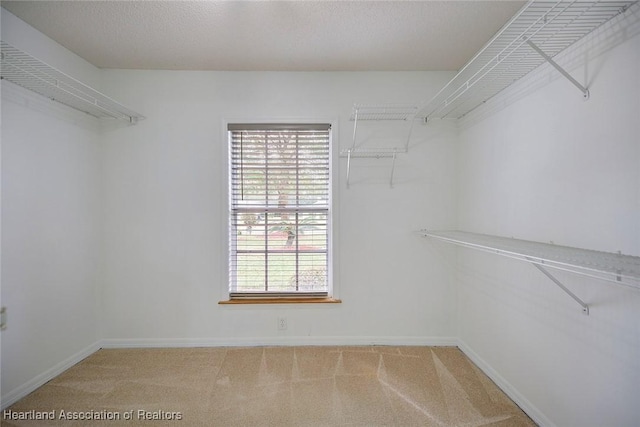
<point>279,210</point>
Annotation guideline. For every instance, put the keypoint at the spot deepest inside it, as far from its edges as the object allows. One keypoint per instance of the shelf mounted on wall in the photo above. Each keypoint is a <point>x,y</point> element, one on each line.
<point>612,267</point>
<point>24,70</point>
<point>537,33</point>
<point>379,112</point>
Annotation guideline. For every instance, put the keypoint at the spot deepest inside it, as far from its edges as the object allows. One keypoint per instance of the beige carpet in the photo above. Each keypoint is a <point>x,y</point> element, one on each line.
<point>271,386</point>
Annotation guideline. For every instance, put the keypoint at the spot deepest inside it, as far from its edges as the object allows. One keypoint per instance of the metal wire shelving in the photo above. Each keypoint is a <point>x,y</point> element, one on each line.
<point>24,70</point>
<point>612,267</point>
<point>537,33</point>
<point>379,112</point>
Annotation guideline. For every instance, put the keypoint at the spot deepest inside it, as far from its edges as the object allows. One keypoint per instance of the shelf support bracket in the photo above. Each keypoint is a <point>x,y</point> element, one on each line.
<point>355,128</point>
<point>348,166</point>
<point>393,166</point>
<point>585,307</point>
<point>584,90</point>
<point>406,145</point>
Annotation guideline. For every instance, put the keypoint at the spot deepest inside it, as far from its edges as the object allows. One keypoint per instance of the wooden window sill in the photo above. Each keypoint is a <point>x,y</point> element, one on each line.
<point>282,301</point>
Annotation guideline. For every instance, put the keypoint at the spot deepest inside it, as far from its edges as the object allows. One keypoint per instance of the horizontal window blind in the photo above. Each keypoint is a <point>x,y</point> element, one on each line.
<point>279,216</point>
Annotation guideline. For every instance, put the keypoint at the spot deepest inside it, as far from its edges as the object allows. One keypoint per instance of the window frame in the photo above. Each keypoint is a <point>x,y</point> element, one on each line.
<point>280,297</point>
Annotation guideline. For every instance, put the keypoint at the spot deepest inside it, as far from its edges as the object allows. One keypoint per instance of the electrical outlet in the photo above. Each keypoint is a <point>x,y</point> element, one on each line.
<point>282,323</point>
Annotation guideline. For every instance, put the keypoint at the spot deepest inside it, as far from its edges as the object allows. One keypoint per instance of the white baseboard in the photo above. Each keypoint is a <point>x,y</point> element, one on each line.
<point>530,409</point>
<point>19,392</point>
<point>276,341</point>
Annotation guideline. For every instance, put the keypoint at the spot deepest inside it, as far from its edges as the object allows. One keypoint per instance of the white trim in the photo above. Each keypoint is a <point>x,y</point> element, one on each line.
<point>277,341</point>
<point>21,391</point>
<point>529,408</point>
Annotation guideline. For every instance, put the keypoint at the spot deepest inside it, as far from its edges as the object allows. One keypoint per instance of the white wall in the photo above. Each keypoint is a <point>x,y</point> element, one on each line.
<point>120,235</point>
<point>165,213</point>
<point>553,167</point>
<point>116,235</point>
<point>51,228</point>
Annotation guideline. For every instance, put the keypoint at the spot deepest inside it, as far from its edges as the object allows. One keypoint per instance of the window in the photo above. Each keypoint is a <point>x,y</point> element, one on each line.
<point>279,215</point>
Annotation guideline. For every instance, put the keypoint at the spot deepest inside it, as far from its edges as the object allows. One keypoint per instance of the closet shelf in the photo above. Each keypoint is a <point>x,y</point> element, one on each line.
<point>379,112</point>
<point>377,153</point>
<point>24,70</point>
<point>612,267</point>
<point>383,112</point>
<point>539,31</point>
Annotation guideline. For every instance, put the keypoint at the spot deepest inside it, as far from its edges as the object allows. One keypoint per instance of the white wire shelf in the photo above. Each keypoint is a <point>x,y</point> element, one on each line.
<point>383,112</point>
<point>539,29</point>
<point>372,152</point>
<point>24,70</point>
<point>379,112</point>
<point>612,267</point>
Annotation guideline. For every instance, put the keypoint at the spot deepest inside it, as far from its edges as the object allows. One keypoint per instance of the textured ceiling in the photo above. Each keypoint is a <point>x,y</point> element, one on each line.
<point>270,35</point>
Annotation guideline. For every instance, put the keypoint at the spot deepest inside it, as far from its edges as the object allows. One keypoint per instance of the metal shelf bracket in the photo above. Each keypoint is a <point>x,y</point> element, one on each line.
<point>584,90</point>
<point>348,166</point>
<point>585,307</point>
<point>393,166</point>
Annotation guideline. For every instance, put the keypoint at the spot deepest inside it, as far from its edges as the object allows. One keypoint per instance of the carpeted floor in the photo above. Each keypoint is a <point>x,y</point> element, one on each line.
<point>271,386</point>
